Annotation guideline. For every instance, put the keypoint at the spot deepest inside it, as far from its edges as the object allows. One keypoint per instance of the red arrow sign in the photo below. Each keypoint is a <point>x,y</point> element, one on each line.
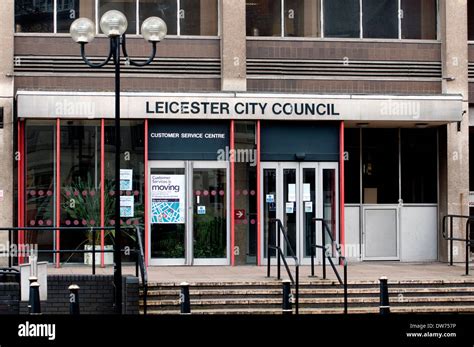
<point>239,214</point>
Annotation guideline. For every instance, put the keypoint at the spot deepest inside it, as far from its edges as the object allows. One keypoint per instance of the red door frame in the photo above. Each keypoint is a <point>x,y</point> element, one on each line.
<point>21,188</point>
<point>341,190</point>
<point>259,197</point>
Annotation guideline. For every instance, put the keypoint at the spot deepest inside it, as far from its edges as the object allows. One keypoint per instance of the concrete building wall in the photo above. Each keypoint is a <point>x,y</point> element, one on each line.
<point>6,134</point>
<point>454,160</point>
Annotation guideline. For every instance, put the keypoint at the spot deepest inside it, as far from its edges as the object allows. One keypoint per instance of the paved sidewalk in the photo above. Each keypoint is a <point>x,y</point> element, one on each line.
<point>367,271</point>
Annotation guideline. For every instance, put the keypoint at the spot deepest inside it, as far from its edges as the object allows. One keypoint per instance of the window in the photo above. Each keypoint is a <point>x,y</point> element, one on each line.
<point>352,166</point>
<point>470,19</point>
<point>69,10</point>
<point>380,19</point>
<point>380,166</point>
<point>127,7</point>
<point>165,9</point>
<point>263,17</point>
<point>342,18</point>
<point>419,165</point>
<point>302,18</point>
<point>198,17</point>
<point>34,16</point>
<point>419,19</point>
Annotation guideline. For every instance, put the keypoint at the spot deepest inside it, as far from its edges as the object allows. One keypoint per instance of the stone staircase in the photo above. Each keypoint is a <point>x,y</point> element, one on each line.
<point>316,297</point>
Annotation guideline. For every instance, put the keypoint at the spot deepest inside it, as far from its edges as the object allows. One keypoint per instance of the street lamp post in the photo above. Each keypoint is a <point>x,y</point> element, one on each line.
<point>114,24</point>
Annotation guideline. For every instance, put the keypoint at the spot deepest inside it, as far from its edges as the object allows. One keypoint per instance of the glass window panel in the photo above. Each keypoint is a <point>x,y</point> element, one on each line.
<point>198,17</point>
<point>419,166</point>
<point>165,9</point>
<point>167,239</point>
<point>245,181</point>
<point>419,19</point>
<point>269,210</point>
<point>80,185</point>
<point>40,179</point>
<point>127,7</point>
<point>302,18</point>
<point>290,215</point>
<point>132,148</point>
<point>341,18</point>
<point>34,16</point>
<point>380,166</point>
<point>352,166</point>
<point>330,208</point>
<point>263,18</point>
<point>70,10</point>
<point>470,19</point>
<point>380,19</point>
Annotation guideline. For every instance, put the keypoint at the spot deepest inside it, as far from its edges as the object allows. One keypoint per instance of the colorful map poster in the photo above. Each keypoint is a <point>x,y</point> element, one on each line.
<point>126,179</point>
<point>167,199</point>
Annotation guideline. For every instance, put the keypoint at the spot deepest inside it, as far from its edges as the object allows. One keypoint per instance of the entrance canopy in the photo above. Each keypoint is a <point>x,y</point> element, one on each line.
<point>355,108</point>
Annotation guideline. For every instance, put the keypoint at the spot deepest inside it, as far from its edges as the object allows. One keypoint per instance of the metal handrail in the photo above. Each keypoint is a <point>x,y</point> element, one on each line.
<point>342,259</point>
<point>143,269</point>
<point>451,238</point>
<point>281,256</point>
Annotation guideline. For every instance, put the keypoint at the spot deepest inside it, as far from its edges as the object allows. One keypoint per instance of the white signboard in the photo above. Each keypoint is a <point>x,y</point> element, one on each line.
<point>127,204</point>
<point>168,199</point>
<point>126,179</point>
<point>307,192</point>
<point>292,192</point>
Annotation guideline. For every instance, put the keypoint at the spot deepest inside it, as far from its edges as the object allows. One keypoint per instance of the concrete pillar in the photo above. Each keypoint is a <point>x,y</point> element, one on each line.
<point>6,134</point>
<point>454,149</point>
<point>233,45</point>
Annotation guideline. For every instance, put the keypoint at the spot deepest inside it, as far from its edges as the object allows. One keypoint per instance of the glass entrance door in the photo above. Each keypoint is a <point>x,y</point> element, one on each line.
<point>188,213</point>
<point>296,193</point>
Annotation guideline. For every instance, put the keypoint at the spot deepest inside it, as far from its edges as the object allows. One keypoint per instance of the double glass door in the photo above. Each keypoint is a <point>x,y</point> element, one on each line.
<point>188,213</point>
<point>296,193</point>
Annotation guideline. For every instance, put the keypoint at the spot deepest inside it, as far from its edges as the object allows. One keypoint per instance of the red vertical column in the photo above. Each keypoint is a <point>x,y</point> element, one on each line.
<point>146,221</point>
<point>58,190</point>
<point>341,189</point>
<point>21,189</point>
<point>232,193</point>
<point>259,198</point>
<point>102,191</point>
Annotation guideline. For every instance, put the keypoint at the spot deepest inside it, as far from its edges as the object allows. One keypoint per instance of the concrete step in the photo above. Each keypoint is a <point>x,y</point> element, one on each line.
<point>304,292</point>
<point>262,303</point>
<point>277,311</point>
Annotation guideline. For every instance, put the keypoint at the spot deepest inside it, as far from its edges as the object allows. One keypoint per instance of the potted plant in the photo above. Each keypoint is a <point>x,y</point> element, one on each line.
<point>81,201</point>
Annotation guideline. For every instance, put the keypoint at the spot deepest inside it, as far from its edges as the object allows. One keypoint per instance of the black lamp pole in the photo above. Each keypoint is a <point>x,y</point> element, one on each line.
<point>115,43</point>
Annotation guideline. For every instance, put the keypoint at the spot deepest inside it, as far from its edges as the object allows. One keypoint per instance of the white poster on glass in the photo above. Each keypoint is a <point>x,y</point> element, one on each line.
<point>292,192</point>
<point>126,179</point>
<point>127,204</point>
<point>168,199</point>
<point>307,192</point>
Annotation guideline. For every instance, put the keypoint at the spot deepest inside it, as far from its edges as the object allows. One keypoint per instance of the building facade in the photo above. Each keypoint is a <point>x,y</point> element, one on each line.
<point>354,111</point>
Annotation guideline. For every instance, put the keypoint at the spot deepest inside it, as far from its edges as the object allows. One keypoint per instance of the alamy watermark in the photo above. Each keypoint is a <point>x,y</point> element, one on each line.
<point>407,108</point>
<point>74,108</point>
<point>238,155</point>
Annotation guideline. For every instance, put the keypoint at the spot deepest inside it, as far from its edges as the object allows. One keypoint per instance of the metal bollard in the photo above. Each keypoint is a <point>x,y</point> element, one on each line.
<point>34,303</point>
<point>287,297</point>
<point>184,299</point>
<point>384,300</point>
<point>74,299</point>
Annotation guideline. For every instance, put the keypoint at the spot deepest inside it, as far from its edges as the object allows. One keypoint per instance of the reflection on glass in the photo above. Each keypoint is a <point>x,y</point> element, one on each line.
<point>419,19</point>
<point>80,184</point>
<point>342,18</point>
<point>40,189</point>
<point>329,207</point>
<point>309,205</point>
<point>34,16</point>
<point>198,17</point>
<point>302,18</point>
<point>269,210</point>
<point>165,9</point>
<point>168,240</point>
<point>263,17</point>
<point>380,19</point>
<point>127,7</point>
<point>209,220</point>
<point>245,192</point>
<point>290,220</point>
<point>69,11</point>
<point>133,156</point>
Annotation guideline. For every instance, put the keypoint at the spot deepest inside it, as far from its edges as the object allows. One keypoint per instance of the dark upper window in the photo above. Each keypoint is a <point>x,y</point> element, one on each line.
<point>342,18</point>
